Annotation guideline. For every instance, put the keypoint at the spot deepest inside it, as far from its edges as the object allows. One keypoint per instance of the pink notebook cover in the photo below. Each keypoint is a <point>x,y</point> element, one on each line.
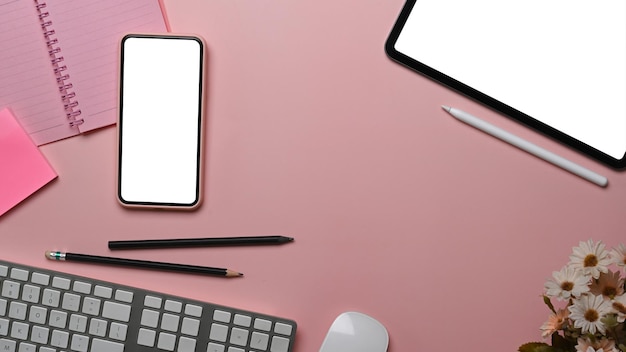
<point>60,61</point>
<point>24,169</point>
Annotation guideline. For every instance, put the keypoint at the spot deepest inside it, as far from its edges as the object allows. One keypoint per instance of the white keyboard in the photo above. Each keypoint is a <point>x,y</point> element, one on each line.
<point>48,311</point>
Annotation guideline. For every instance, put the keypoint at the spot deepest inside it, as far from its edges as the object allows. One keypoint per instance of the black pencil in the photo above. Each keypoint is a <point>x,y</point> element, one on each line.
<point>53,255</point>
<point>200,242</point>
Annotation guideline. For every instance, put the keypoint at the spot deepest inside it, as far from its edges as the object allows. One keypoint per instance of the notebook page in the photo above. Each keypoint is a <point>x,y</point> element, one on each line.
<point>28,84</point>
<point>89,32</point>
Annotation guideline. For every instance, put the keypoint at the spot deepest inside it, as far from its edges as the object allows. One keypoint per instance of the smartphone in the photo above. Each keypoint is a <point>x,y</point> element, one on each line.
<point>160,122</point>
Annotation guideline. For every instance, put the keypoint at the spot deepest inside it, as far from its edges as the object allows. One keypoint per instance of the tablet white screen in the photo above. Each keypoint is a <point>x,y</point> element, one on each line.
<point>562,62</point>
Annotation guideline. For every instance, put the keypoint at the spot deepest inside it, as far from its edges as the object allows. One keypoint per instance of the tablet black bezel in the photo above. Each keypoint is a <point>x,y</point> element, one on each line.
<point>487,100</point>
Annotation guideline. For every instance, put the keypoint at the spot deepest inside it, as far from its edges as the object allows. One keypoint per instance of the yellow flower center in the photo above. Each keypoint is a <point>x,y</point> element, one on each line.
<point>567,286</point>
<point>591,315</point>
<point>590,260</point>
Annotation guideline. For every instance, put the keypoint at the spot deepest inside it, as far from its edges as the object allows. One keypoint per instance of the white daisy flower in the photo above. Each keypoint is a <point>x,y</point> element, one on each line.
<point>602,345</point>
<point>566,284</point>
<point>587,312</point>
<point>618,255</point>
<point>592,259</point>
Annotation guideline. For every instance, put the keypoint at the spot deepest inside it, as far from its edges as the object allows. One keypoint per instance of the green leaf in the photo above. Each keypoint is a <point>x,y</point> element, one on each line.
<point>547,301</point>
<point>562,343</point>
<point>538,347</point>
<point>532,347</point>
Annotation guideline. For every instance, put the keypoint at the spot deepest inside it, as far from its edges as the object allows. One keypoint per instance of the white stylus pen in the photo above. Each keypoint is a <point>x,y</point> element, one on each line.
<point>527,146</point>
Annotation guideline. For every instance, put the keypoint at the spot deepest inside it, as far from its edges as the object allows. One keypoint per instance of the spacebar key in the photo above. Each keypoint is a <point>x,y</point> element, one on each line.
<point>98,345</point>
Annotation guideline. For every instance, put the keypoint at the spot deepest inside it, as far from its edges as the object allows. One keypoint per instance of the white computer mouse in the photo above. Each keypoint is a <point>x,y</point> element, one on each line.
<point>355,332</point>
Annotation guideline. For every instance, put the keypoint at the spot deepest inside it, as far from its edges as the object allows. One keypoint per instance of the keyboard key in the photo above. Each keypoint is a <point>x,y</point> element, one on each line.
<point>10,289</point>
<point>98,345</point>
<point>282,329</point>
<point>4,270</point>
<point>218,332</point>
<point>152,302</point>
<point>59,339</point>
<point>98,327</point>
<point>150,318</point>
<point>19,330</point>
<point>280,344</point>
<point>3,307</point>
<point>91,306</point>
<point>193,310</point>
<point>222,316</point>
<point>118,331</point>
<point>239,337</point>
<point>116,311</point>
<point>259,340</point>
<point>79,343</point>
<point>124,296</point>
<point>40,279</point>
<point>78,323</point>
<point>61,282</point>
<point>214,347</point>
<point>17,310</point>
<point>70,302</point>
<point>30,293</point>
<point>242,320</point>
<point>51,298</point>
<point>58,319</point>
<point>146,337</point>
<point>190,326</point>
<point>4,327</point>
<point>103,291</point>
<point>166,341</point>
<point>38,315</point>
<point>39,334</point>
<point>262,324</point>
<point>186,344</point>
<point>169,322</point>
<point>82,287</point>
<point>173,306</point>
<point>19,274</point>
<point>27,347</point>
<point>7,345</point>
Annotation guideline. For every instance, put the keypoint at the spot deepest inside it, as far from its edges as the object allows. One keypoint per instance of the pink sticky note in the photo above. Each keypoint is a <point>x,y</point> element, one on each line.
<point>23,169</point>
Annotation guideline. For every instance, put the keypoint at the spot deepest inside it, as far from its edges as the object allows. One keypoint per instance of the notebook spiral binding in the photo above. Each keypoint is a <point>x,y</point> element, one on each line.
<point>67,96</point>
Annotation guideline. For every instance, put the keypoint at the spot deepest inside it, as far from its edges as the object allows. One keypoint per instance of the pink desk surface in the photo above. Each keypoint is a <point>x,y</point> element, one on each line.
<point>442,233</point>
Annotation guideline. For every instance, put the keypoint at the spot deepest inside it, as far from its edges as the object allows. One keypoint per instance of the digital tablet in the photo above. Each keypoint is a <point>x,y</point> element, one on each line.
<point>558,66</point>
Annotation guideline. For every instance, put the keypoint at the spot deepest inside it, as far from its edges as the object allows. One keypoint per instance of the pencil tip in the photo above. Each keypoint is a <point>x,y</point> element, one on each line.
<point>446,108</point>
<point>232,273</point>
<point>284,239</point>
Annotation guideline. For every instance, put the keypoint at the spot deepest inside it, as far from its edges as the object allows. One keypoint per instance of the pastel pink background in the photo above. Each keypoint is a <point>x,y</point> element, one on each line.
<point>399,211</point>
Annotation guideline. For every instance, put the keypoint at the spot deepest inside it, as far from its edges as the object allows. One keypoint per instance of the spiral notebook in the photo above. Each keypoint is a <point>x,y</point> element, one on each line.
<point>59,61</point>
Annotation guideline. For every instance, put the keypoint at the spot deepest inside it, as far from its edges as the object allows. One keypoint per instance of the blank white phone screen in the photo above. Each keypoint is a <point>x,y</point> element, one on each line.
<point>562,62</point>
<point>160,120</point>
